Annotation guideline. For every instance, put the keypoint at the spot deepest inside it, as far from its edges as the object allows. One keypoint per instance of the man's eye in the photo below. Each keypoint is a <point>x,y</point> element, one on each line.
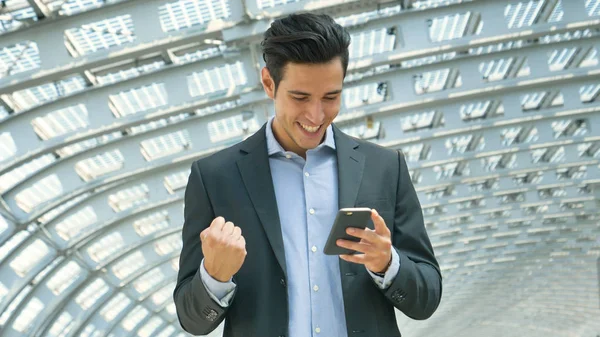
<point>301,99</point>
<point>330,98</point>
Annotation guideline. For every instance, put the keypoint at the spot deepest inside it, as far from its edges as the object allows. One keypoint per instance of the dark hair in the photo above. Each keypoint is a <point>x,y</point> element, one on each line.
<point>303,38</point>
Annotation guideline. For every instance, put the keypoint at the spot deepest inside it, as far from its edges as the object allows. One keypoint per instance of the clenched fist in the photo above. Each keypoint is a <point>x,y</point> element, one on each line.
<point>224,249</point>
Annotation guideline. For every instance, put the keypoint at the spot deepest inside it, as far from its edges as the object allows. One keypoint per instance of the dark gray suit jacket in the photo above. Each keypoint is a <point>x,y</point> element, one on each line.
<point>236,184</point>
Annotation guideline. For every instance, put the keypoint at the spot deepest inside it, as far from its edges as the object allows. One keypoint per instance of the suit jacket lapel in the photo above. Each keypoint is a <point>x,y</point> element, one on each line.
<point>350,168</point>
<point>256,174</point>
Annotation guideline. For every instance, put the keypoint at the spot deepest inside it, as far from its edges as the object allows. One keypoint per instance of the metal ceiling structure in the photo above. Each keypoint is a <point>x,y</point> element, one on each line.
<point>105,104</point>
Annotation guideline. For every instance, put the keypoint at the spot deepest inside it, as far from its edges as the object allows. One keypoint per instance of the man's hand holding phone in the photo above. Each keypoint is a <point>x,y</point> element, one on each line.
<point>374,248</point>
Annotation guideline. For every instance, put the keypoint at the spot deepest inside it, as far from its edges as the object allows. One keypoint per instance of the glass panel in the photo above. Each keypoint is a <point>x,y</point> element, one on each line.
<point>152,223</point>
<point>149,280</point>
<point>168,245</point>
<point>177,181</point>
<point>263,4</point>
<point>29,313</point>
<point>231,127</point>
<point>137,100</point>
<point>64,277</point>
<point>62,325</point>
<point>166,145</point>
<point>75,223</point>
<point>18,58</point>
<point>106,246</point>
<point>183,14</point>
<point>29,257</point>
<point>128,198</point>
<point>218,79</point>
<point>61,122</point>
<point>149,328</point>
<point>91,293</point>
<point>100,35</point>
<point>134,318</point>
<point>449,27</point>
<point>129,265</point>
<point>8,148</point>
<point>115,306</point>
<point>373,42</point>
<point>100,165</point>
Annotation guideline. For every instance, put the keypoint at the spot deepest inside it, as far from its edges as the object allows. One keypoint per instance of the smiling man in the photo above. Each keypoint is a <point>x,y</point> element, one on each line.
<point>257,215</point>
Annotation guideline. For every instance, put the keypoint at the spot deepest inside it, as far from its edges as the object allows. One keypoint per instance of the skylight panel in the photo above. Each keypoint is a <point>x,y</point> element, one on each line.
<point>557,13</point>
<point>18,58</point>
<point>29,257</point>
<point>12,306</point>
<point>128,198</point>
<point>518,135</point>
<point>149,280</point>
<point>166,332</point>
<point>496,70</point>
<point>449,27</point>
<point>523,14</point>
<point>115,76</point>
<point>592,7</point>
<point>372,42</point>
<point>218,79</point>
<point>14,14</point>
<point>28,98</point>
<point>591,59</point>
<point>214,108</point>
<point>164,294</point>
<point>532,101</point>
<point>100,165</point>
<point>88,143</point>
<point>63,278</point>
<point>364,131</point>
<point>115,306</point>
<point>466,143</point>
<point>134,318</point>
<point>478,110</point>
<point>3,291</point>
<point>106,246</point>
<point>8,148</point>
<point>554,154</point>
<point>76,223</point>
<point>42,191</point>
<point>168,245</point>
<point>149,328</point>
<point>570,128</point>
<point>424,4</point>
<point>70,7</point>
<point>3,224</point>
<point>166,145</point>
<point>450,170</point>
<point>434,81</point>
<point>129,265</point>
<point>196,54</point>
<point>137,100</point>
<point>560,59</point>
<point>361,18</point>
<point>51,214</point>
<point>183,14</point>
<point>152,223</point>
<point>171,309</point>
<point>424,120</point>
<point>12,243</point>
<point>589,93</point>
<point>493,163</point>
<point>100,35</point>
<point>417,152</point>
<point>28,314</point>
<point>62,325</point>
<point>92,293</point>
<point>91,331</point>
<point>264,4</point>
<point>175,264</point>
<point>61,122</point>
<point>231,127</point>
<point>366,94</point>
<point>176,181</point>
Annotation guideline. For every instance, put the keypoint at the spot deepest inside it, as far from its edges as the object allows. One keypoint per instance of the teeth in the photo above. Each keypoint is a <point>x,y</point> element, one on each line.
<point>310,129</point>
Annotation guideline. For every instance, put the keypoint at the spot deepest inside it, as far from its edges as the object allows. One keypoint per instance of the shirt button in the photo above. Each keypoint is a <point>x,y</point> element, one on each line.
<point>318,330</point>
<point>288,156</point>
<point>316,288</point>
<point>314,249</point>
<point>311,211</point>
<point>306,174</point>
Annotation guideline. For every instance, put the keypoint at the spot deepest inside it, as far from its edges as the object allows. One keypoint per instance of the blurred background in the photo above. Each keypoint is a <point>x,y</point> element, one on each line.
<point>104,105</point>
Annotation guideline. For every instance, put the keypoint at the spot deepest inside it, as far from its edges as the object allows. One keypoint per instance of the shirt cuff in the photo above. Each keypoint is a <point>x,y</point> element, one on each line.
<point>220,292</point>
<point>390,274</point>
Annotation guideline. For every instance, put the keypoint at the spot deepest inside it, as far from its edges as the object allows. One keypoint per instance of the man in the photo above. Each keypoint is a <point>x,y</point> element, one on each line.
<point>257,215</point>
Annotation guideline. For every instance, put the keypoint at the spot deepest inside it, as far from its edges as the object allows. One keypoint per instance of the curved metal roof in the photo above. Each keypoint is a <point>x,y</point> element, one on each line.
<point>105,104</point>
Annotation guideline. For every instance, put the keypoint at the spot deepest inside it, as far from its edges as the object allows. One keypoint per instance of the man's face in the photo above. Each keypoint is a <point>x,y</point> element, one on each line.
<point>308,99</point>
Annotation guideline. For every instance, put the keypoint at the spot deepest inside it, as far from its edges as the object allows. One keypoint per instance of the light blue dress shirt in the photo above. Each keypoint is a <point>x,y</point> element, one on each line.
<point>307,200</point>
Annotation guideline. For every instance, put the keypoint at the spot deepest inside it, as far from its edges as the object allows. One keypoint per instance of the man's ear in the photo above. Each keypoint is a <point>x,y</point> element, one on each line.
<point>268,83</point>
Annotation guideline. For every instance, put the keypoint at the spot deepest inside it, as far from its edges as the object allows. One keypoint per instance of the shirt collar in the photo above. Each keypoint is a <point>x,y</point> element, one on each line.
<point>274,147</point>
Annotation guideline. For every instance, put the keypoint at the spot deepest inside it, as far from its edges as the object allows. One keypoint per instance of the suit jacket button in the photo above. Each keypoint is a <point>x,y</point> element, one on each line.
<point>282,281</point>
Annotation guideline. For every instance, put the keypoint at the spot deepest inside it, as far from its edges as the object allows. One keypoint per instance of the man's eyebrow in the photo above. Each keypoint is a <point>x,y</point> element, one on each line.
<point>302,93</point>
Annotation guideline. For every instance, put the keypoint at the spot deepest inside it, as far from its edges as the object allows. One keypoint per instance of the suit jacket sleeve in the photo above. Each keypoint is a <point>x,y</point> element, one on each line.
<point>417,288</point>
<point>197,312</point>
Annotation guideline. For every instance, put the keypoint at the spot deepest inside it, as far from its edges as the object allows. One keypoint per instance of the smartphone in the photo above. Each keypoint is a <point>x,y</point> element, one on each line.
<point>347,217</point>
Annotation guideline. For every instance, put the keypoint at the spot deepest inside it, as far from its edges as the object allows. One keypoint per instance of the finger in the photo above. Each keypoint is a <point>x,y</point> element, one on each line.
<point>237,232</point>
<point>204,234</point>
<point>357,258</point>
<point>218,223</point>
<point>356,246</point>
<point>380,227</point>
<point>228,228</point>
<point>366,235</point>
